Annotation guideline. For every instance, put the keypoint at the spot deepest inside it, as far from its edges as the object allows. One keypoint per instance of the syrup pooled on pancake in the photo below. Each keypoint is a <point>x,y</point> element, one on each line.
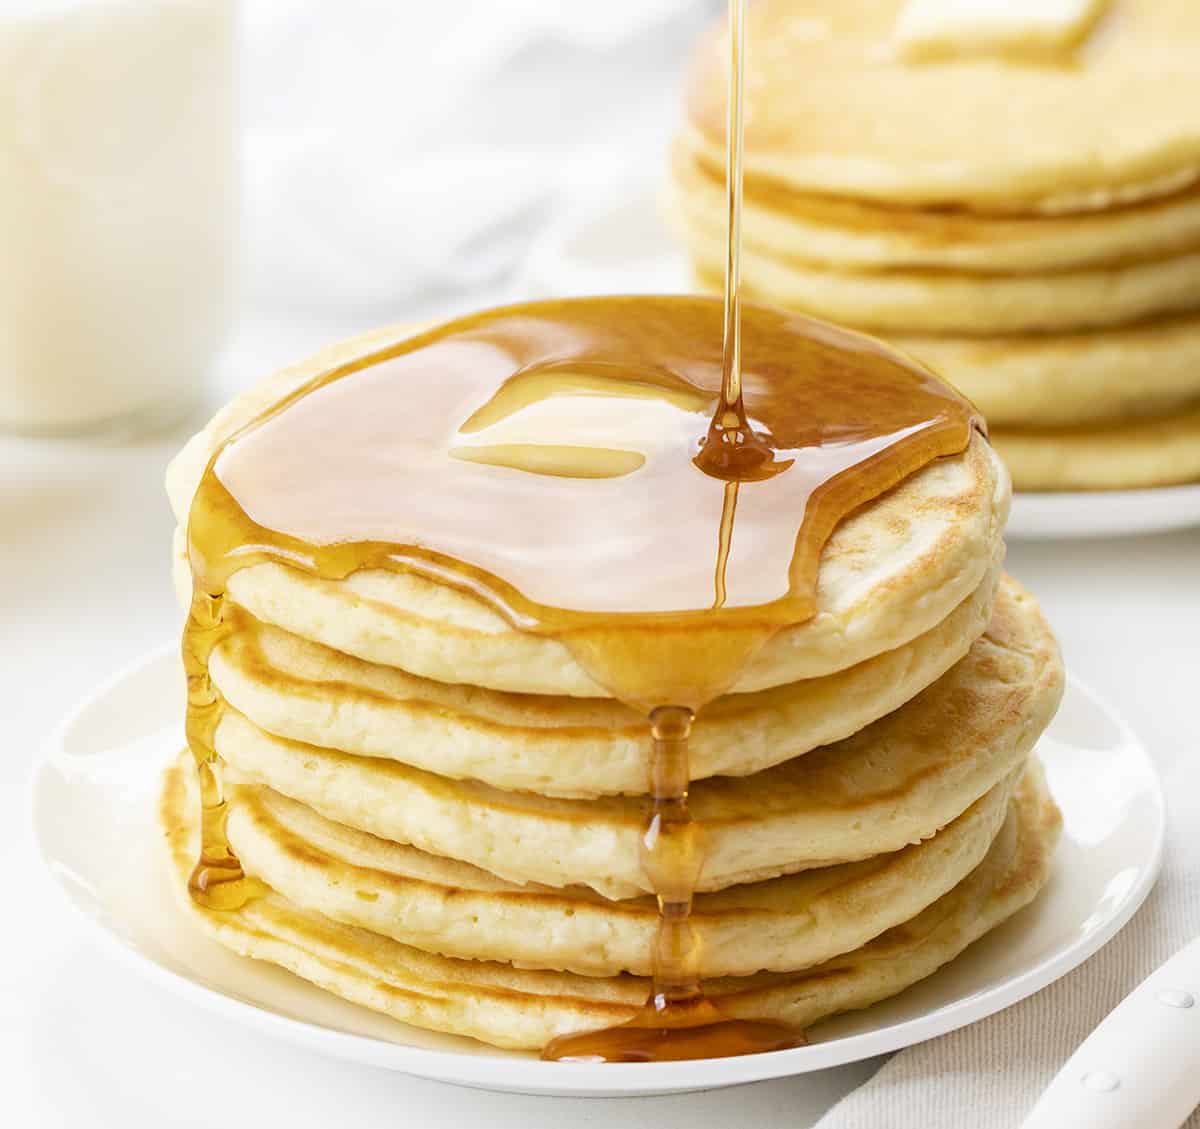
<point>363,468</point>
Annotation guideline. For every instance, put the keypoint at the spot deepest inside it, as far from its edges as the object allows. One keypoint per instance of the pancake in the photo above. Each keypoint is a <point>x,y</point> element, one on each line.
<point>893,783</point>
<point>1115,123</point>
<point>523,1009</point>
<point>553,745</point>
<point>865,235</point>
<point>892,571</point>
<point>1105,376</point>
<point>943,301</point>
<point>455,909</point>
<point>1153,452</point>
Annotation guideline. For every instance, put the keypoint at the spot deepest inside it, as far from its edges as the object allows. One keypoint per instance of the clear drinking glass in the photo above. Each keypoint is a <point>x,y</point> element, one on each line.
<point>118,181</point>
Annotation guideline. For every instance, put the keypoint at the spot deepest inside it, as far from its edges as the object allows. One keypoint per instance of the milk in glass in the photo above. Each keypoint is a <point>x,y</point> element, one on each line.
<point>117,198</point>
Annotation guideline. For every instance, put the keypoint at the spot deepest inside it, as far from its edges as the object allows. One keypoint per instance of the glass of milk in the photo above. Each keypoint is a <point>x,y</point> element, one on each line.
<point>117,209</point>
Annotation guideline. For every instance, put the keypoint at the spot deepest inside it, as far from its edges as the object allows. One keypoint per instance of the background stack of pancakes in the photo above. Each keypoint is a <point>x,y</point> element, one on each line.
<point>1029,227</point>
<point>447,812</point>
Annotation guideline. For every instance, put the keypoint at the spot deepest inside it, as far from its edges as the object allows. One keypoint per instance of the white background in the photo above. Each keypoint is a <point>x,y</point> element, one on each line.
<point>430,164</point>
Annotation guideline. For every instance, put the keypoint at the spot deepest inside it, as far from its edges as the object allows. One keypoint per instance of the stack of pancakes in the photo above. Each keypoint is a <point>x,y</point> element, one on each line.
<point>1028,227</point>
<point>446,812</point>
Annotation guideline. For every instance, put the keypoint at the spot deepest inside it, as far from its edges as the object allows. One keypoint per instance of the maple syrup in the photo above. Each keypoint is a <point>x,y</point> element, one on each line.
<point>626,475</point>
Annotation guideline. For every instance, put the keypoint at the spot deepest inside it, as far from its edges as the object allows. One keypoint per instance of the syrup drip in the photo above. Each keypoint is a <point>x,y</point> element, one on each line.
<point>635,431</point>
<point>217,880</point>
<point>678,1021</point>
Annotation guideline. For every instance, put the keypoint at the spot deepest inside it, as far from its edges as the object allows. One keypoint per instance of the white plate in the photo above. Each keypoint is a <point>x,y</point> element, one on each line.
<point>1103,513</point>
<point>622,246</point>
<point>93,800</point>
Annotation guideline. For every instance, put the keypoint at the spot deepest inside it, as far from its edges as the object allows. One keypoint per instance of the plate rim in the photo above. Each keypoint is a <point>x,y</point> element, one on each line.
<point>528,1075</point>
<point>1053,515</point>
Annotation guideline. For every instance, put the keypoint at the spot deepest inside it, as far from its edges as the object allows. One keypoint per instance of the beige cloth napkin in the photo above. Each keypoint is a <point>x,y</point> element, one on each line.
<point>989,1075</point>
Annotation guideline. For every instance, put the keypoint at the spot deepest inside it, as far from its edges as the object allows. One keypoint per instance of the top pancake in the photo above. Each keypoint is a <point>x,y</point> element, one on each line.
<point>892,571</point>
<point>831,107</point>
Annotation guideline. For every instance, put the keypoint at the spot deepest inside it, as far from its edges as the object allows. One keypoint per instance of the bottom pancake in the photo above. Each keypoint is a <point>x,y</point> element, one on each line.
<point>522,1009</point>
<point>1125,456</point>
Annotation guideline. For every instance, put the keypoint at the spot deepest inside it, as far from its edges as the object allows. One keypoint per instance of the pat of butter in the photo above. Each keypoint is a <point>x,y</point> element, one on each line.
<point>946,28</point>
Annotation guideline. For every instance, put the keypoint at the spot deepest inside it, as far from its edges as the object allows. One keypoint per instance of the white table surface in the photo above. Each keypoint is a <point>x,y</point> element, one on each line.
<point>84,536</point>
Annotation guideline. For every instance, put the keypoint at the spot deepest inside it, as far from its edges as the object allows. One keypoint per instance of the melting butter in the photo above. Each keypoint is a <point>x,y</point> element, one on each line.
<point>946,29</point>
<point>553,459</point>
<point>604,423</point>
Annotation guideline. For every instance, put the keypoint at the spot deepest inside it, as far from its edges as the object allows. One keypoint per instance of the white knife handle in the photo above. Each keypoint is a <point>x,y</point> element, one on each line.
<point>1140,1069</point>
